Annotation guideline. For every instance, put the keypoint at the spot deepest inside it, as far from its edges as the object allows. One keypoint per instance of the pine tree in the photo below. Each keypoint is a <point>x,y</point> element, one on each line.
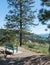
<point>20,15</point>
<point>44,13</point>
<point>44,16</point>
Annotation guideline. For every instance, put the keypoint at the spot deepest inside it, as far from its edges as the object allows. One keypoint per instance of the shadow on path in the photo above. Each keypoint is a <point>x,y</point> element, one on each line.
<point>32,60</point>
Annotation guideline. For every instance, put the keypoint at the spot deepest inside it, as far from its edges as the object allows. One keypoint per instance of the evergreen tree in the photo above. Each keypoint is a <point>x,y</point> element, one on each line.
<point>20,15</point>
<point>44,13</point>
<point>44,16</point>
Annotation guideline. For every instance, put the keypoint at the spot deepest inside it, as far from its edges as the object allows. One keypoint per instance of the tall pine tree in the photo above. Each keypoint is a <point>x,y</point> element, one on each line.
<point>44,16</point>
<point>20,15</point>
<point>44,13</point>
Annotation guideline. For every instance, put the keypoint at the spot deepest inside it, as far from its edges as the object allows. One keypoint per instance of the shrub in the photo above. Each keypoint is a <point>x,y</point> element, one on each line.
<point>31,45</point>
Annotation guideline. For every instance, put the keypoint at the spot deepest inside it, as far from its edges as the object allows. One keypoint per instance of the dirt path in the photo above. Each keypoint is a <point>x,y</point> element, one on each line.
<point>23,53</point>
<point>26,57</point>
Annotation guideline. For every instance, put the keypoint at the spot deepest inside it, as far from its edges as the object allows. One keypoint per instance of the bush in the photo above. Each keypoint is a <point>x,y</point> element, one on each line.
<point>31,45</point>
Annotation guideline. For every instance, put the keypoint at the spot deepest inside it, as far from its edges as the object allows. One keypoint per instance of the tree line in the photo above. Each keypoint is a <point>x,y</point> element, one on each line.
<point>21,15</point>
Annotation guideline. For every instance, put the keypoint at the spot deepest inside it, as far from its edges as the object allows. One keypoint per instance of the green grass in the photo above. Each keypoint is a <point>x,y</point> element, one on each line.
<point>35,47</point>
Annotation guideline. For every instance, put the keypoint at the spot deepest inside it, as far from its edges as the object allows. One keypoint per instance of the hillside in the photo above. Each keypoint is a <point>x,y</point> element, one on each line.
<point>26,35</point>
<point>30,41</point>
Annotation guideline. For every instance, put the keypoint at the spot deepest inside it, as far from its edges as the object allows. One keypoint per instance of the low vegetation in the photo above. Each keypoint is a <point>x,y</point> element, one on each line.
<point>36,47</point>
<point>30,41</point>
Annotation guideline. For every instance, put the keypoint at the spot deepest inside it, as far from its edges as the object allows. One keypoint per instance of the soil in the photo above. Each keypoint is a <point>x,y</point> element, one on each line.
<point>26,57</point>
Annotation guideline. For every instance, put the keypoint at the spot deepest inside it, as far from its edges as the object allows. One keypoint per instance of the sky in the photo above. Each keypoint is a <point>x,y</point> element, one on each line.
<point>3,11</point>
<point>40,29</point>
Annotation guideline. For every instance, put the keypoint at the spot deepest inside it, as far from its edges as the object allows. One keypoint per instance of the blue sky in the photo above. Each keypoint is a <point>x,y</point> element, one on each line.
<point>3,12</point>
<point>40,29</point>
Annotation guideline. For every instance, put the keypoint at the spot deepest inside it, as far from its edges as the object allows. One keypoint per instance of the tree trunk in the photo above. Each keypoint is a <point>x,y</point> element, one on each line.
<point>20,23</point>
<point>20,33</point>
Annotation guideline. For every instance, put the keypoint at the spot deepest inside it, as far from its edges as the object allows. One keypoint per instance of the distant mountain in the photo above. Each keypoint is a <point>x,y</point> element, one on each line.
<point>43,35</point>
